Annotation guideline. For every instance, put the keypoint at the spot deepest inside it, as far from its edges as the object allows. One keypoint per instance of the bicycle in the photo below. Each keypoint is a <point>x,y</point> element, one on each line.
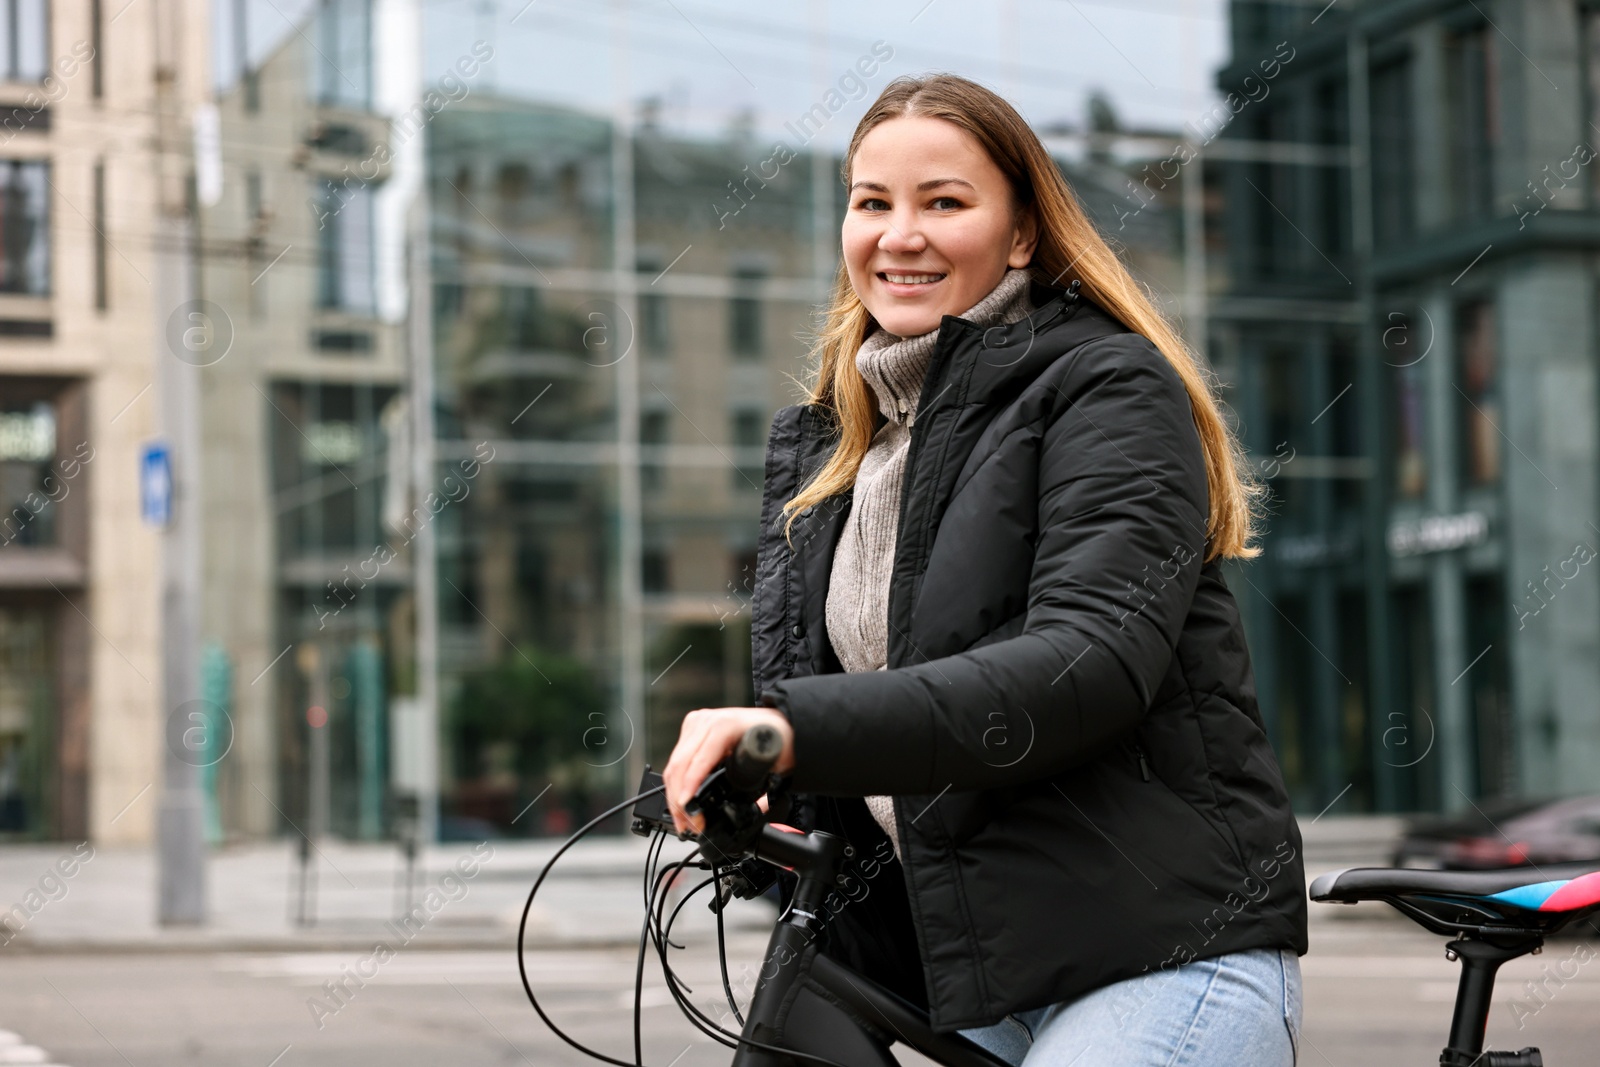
<point>809,1009</point>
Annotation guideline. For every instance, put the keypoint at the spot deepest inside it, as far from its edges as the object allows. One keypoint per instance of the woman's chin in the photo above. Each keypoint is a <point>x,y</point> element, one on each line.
<point>909,324</point>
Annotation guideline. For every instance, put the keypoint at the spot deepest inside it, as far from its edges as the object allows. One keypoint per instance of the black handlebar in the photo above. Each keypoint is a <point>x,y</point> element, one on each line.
<point>727,797</point>
<point>753,760</point>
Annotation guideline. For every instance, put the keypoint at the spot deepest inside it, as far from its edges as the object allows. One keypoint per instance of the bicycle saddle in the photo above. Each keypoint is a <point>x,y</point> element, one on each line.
<point>1530,899</point>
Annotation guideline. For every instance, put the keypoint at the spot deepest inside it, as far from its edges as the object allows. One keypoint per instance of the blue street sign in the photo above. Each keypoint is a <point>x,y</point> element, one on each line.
<point>155,484</point>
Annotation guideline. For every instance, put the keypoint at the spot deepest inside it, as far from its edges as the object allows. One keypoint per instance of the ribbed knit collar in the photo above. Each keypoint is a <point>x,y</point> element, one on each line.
<point>895,366</point>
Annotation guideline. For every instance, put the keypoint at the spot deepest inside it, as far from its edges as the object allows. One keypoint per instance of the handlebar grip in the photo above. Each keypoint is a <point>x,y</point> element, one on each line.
<point>753,759</point>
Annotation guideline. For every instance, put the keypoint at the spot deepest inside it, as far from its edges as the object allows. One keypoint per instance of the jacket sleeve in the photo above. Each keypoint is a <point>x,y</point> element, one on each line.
<point>1122,507</point>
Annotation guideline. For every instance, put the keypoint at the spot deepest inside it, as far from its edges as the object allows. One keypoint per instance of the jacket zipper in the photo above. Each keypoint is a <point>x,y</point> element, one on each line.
<point>937,367</point>
<point>1144,765</point>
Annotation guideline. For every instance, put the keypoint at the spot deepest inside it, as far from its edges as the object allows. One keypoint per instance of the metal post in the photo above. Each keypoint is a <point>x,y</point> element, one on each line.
<point>624,270</point>
<point>180,820</point>
<point>425,560</point>
<point>1447,601</point>
<point>318,718</point>
<point>364,667</point>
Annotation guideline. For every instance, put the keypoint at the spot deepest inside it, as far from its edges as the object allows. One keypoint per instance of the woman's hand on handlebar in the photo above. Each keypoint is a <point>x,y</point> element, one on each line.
<point>708,736</point>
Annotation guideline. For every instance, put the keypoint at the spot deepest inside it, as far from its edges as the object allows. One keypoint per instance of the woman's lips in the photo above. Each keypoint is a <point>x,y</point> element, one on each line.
<point>909,283</point>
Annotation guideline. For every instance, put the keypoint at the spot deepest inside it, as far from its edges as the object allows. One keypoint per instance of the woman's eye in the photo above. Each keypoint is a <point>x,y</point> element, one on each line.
<point>946,202</point>
<point>871,203</point>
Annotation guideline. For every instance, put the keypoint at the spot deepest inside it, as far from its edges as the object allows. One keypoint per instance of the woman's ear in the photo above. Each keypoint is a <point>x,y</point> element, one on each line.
<point>1024,238</point>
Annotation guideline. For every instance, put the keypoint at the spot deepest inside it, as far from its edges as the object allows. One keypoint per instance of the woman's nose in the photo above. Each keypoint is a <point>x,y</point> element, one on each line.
<point>901,236</point>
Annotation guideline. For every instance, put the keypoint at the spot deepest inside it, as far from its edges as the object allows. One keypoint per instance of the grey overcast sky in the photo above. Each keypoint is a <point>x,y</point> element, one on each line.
<point>708,61</point>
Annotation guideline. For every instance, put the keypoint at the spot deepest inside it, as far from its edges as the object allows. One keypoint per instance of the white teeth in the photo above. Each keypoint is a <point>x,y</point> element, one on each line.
<point>912,279</point>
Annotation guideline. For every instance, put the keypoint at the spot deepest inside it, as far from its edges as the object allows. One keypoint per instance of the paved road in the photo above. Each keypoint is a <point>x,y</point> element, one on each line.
<point>1376,992</point>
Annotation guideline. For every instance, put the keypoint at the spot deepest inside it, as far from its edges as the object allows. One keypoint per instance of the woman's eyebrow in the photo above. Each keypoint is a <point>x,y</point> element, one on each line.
<point>922,187</point>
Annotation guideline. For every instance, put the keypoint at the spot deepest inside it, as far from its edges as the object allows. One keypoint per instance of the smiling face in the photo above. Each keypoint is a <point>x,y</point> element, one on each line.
<point>930,229</point>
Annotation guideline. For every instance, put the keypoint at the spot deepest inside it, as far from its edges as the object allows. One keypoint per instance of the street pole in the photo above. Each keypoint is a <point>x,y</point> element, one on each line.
<point>180,820</point>
<point>425,560</point>
<point>629,524</point>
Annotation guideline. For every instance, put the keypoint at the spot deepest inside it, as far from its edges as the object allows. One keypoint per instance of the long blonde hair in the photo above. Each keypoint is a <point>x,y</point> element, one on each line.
<point>1069,247</point>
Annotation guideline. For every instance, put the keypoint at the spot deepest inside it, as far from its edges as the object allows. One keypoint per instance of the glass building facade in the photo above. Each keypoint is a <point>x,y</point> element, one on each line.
<point>1407,324</point>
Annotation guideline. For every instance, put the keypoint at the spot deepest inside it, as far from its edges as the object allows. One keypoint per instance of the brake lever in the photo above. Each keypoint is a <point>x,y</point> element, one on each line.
<point>732,823</point>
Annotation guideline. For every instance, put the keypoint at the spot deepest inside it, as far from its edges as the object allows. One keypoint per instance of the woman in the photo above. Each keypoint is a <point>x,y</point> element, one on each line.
<point>991,626</point>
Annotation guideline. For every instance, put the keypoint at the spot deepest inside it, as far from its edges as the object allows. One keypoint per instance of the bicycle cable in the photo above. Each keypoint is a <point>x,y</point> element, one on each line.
<point>723,1036</point>
<point>706,1025</point>
<point>522,927</point>
<point>653,932</point>
<point>722,955</point>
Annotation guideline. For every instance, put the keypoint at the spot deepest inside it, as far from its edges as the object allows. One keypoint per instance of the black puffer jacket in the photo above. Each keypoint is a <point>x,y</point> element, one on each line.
<point>1083,786</point>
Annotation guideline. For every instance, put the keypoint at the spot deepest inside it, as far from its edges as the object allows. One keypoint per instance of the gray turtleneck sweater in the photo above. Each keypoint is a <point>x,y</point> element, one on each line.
<point>857,609</point>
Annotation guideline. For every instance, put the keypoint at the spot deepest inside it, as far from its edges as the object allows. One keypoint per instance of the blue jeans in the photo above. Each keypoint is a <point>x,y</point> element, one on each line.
<point>1238,1010</point>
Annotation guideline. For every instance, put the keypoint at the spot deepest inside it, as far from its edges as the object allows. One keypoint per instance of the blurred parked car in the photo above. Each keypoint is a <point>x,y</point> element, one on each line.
<point>1507,833</point>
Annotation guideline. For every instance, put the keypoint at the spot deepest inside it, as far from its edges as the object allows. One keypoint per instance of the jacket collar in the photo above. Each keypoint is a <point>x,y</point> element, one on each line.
<point>1004,359</point>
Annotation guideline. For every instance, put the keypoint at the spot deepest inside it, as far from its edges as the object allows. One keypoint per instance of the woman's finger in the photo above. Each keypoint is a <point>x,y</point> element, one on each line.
<point>672,775</point>
<point>718,740</point>
<point>706,738</point>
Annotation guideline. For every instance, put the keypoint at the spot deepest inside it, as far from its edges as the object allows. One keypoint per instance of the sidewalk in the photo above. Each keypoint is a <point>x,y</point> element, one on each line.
<point>592,898</point>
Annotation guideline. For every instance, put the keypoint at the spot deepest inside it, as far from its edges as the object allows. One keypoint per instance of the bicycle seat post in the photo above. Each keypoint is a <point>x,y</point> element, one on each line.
<point>1480,960</point>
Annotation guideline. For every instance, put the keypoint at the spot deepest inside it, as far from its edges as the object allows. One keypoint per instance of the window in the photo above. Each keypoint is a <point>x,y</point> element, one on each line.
<point>1332,183</point>
<point>448,300</point>
<point>1283,391</point>
<point>1393,193</point>
<point>1476,367</point>
<point>325,441</point>
<point>344,247</point>
<point>28,487</point>
<point>748,428</point>
<point>653,431</point>
<point>1284,252</point>
<point>654,331</point>
<point>341,62</point>
<point>26,726</point>
<point>524,311</point>
<point>744,314</point>
<point>1474,92</point>
<point>514,186</point>
<point>654,327</point>
<point>24,40</point>
<point>656,570</point>
<point>1410,462</point>
<point>1345,419</point>
<point>24,227</point>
